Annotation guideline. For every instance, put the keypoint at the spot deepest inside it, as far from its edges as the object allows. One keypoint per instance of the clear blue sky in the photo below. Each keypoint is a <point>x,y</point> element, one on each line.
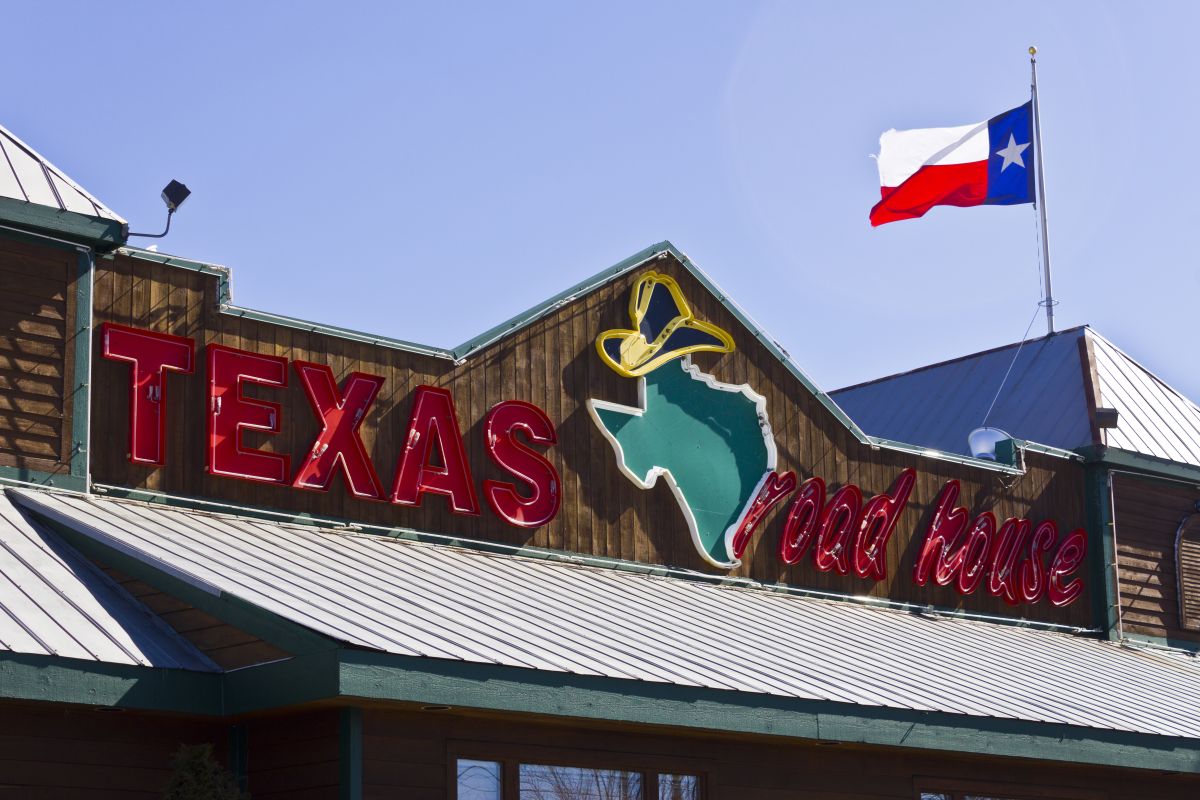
<point>426,170</point>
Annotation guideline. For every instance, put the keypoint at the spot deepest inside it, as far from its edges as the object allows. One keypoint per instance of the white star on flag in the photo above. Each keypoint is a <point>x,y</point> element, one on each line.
<point>1012,153</point>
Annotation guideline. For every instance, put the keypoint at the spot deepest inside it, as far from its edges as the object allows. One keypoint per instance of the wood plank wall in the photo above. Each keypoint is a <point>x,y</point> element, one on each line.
<point>37,311</point>
<point>553,364</point>
<point>411,755</point>
<point>73,753</point>
<point>1147,515</point>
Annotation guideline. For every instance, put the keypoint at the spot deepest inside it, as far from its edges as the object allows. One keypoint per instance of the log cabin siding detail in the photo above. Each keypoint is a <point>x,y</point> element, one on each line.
<point>37,317</point>
<point>1147,517</point>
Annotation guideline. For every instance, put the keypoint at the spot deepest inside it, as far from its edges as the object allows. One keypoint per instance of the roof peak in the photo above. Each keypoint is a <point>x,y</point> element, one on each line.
<point>935,365</point>
<point>29,177</point>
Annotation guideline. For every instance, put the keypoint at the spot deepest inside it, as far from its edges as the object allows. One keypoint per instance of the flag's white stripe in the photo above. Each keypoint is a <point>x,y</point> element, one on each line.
<point>901,153</point>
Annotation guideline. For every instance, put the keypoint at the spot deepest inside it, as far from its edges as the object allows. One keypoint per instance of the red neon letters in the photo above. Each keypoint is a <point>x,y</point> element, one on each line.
<point>230,412</point>
<point>433,431</point>
<point>802,521</point>
<point>1011,557</point>
<point>1068,558</point>
<point>844,534</point>
<point>774,488</point>
<point>833,533</point>
<point>876,525</point>
<point>151,356</point>
<point>433,458</point>
<point>500,430</point>
<point>341,415</point>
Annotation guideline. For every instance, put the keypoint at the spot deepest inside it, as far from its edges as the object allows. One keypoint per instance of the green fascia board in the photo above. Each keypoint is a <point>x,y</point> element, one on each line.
<point>346,676</point>
<point>294,681</point>
<point>97,232</point>
<point>661,250</point>
<point>1150,466</point>
<point>222,605</point>
<point>36,478</point>
<point>376,676</point>
<point>66,680</point>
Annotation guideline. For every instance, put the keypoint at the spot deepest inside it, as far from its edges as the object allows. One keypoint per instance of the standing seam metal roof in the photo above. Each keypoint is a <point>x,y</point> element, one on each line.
<point>25,175</point>
<point>53,601</point>
<point>442,602</point>
<point>1155,419</point>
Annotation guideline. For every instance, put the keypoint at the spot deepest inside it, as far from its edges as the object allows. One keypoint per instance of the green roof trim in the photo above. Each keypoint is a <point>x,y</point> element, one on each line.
<point>347,675</point>
<point>93,683</point>
<point>663,249</point>
<point>96,232</point>
<point>460,684</point>
<point>20,476</point>
<point>1150,466</point>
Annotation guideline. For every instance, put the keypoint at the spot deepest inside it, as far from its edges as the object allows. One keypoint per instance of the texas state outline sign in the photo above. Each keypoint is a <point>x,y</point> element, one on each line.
<point>711,441</point>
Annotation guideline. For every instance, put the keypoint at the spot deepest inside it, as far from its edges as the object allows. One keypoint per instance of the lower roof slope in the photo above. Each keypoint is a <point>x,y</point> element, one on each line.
<point>55,602</point>
<point>441,602</point>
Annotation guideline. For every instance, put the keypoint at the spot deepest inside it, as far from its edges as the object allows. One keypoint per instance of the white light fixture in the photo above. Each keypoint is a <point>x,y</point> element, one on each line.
<point>983,441</point>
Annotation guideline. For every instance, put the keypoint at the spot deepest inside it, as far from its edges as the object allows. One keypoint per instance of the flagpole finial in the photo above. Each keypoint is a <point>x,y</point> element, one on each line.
<point>1032,51</point>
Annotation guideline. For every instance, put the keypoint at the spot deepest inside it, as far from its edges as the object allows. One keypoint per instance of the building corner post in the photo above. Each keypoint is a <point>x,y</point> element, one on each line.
<point>81,413</point>
<point>1102,562</point>
<point>350,761</point>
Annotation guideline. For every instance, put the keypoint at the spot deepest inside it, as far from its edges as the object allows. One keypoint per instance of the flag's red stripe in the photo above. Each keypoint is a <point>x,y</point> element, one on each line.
<point>939,185</point>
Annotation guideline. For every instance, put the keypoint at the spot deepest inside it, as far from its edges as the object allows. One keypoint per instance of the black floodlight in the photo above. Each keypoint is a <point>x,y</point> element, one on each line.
<point>1107,417</point>
<point>173,194</point>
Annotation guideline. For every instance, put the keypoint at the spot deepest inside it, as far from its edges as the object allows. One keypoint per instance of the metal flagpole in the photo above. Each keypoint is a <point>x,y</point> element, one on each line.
<point>1041,191</point>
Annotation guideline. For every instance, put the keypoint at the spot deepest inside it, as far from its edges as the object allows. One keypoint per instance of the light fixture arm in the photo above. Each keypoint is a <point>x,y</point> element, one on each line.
<point>170,213</point>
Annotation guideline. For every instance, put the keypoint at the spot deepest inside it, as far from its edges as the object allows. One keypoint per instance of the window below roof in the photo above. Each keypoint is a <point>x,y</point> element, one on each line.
<point>518,779</point>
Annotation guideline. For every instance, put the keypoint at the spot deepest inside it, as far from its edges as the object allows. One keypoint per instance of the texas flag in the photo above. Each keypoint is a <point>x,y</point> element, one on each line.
<point>988,163</point>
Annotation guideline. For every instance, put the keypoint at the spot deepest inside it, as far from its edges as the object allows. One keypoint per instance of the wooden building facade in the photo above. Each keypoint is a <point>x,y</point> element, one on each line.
<point>617,547</point>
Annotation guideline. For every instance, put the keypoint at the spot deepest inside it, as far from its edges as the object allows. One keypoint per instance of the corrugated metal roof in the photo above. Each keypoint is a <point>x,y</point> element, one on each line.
<point>26,175</point>
<point>1043,401</point>
<point>448,603</point>
<point>55,602</point>
<point>1155,419</point>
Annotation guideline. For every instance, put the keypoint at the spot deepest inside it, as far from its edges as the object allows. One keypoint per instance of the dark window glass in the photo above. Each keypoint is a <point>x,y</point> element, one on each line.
<point>541,782</point>
<point>677,787</point>
<point>478,780</point>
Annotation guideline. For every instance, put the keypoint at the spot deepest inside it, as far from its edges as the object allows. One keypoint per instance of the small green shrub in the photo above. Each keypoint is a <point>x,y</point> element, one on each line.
<point>198,776</point>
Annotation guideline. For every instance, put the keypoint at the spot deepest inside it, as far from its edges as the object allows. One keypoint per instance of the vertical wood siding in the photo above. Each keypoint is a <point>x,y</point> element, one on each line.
<point>553,364</point>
